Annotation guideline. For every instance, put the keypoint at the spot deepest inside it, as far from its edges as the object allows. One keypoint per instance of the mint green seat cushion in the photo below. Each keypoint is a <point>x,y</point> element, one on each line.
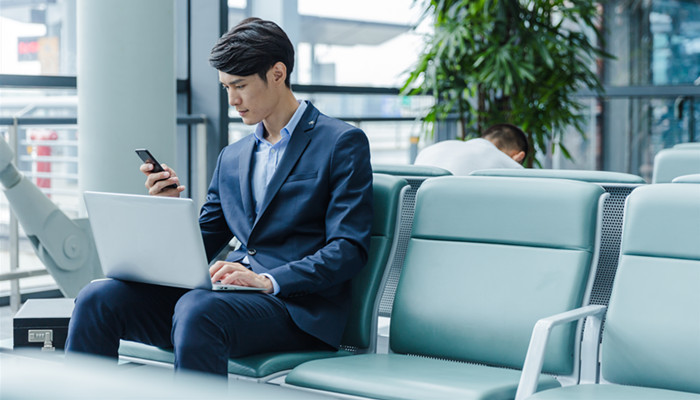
<point>145,352</point>
<point>255,366</point>
<point>611,392</point>
<point>262,365</point>
<point>395,376</point>
<point>577,175</point>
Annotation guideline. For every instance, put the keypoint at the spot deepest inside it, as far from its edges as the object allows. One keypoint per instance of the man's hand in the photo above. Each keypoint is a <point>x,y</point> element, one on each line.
<point>157,183</point>
<point>237,274</point>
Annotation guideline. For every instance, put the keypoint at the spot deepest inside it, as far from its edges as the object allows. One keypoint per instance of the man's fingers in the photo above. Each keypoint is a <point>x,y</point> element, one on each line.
<point>146,168</point>
<point>240,278</point>
<point>215,267</point>
<point>220,275</point>
<point>224,271</point>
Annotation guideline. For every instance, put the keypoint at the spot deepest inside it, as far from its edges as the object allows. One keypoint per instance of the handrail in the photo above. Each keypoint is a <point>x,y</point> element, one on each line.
<point>186,120</point>
<point>181,120</point>
<point>71,82</point>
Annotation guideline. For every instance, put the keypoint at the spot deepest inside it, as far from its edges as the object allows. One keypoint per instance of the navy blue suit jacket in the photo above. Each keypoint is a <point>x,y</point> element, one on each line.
<point>313,231</point>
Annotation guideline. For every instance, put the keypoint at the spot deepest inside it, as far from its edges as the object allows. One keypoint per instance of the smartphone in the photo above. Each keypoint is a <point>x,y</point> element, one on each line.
<point>147,157</point>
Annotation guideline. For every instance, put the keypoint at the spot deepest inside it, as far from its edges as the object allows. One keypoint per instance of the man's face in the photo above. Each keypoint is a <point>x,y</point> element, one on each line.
<point>253,98</point>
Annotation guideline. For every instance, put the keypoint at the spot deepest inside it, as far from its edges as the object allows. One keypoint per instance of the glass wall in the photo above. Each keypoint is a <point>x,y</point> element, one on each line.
<point>656,44</point>
<point>652,99</point>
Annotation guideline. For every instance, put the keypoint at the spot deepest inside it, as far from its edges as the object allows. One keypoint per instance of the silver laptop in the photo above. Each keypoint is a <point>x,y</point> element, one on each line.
<point>150,239</point>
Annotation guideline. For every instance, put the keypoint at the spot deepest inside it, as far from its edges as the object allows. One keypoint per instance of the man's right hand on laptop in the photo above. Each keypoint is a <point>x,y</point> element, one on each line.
<point>157,182</point>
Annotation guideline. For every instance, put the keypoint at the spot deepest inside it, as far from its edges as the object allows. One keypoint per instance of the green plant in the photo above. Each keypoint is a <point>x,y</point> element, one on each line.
<point>517,61</point>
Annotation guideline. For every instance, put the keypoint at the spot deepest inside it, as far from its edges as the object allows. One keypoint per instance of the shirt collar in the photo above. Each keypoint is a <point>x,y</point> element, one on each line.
<point>288,129</point>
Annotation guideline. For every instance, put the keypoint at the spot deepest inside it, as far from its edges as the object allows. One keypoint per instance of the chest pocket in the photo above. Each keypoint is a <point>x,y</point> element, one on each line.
<point>301,177</point>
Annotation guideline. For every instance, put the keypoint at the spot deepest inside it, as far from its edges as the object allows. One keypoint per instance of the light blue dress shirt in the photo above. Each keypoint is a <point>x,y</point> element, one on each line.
<point>265,161</point>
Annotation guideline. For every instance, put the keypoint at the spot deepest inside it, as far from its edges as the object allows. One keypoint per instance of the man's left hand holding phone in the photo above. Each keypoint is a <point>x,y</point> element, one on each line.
<point>161,180</point>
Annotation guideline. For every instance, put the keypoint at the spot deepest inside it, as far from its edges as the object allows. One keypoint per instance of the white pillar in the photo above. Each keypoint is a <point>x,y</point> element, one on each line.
<point>126,90</point>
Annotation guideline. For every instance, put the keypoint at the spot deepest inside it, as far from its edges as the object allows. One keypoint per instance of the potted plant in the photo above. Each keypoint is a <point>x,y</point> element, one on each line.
<point>516,61</point>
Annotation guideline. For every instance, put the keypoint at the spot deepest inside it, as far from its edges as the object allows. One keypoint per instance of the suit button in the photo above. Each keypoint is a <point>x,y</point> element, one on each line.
<point>251,252</point>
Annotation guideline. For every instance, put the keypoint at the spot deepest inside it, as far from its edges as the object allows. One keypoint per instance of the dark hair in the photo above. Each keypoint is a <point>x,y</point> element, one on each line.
<point>507,137</point>
<point>253,47</point>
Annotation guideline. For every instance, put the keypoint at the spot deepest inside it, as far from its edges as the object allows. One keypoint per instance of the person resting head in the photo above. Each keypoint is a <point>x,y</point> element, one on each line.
<point>509,139</point>
<point>500,146</point>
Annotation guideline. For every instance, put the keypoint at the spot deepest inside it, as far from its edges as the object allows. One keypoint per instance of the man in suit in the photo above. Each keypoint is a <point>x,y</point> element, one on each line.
<point>297,194</point>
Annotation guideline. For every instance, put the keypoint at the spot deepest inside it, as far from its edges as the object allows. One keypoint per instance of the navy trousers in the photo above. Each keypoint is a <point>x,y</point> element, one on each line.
<point>203,327</point>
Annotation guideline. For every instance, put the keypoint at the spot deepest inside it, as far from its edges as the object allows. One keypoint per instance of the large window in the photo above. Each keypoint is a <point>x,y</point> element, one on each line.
<point>37,37</point>
<point>365,44</point>
<point>652,98</point>
<point>654,76</point>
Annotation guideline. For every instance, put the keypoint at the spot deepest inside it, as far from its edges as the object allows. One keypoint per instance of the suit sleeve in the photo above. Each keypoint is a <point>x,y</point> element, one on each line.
<point>348,221</point>
<point>215,231</point>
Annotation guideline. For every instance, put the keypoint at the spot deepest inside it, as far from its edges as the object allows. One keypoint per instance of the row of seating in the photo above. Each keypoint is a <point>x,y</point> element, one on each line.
<point>483,260</point>
<point>489,257</point>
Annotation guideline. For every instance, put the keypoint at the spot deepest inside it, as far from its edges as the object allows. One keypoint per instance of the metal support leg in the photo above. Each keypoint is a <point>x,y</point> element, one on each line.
<point>15,298</point>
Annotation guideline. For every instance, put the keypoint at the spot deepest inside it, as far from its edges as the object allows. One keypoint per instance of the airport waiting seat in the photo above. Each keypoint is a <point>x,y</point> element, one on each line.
<point>651,344</point>
<point>691,178</point>
<point>487,258</point>
<point>618,185</point>
<point>415,175</point>
<point>361,332</point>
<point>674,162</point>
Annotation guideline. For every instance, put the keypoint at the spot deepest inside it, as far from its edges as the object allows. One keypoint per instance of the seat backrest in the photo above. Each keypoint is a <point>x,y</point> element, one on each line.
<point>600,177</point>
<point>691,178</point>
<point>361,331</point>
<point>688,145</point>
<point>652,334</point>
<point>487,258</point>
<point>619,186</point>
<point>415,175</point>
<point>671,163</point>
<point>408,170</point>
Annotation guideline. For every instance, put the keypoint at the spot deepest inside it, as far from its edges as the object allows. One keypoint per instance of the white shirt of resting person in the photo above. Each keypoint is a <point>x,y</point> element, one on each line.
<point>462,157</point>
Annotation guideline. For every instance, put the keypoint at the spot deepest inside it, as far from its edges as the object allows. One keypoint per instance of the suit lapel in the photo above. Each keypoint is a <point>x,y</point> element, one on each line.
<point>246,164</point>
<point>297,144</point>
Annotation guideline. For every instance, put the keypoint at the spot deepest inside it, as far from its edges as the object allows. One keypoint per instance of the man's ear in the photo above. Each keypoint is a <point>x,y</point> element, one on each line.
<point>279,72</point>
<point>518,157</point>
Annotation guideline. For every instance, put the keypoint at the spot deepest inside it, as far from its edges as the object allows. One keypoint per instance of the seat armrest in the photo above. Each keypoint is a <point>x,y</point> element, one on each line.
<point>538,342</point>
